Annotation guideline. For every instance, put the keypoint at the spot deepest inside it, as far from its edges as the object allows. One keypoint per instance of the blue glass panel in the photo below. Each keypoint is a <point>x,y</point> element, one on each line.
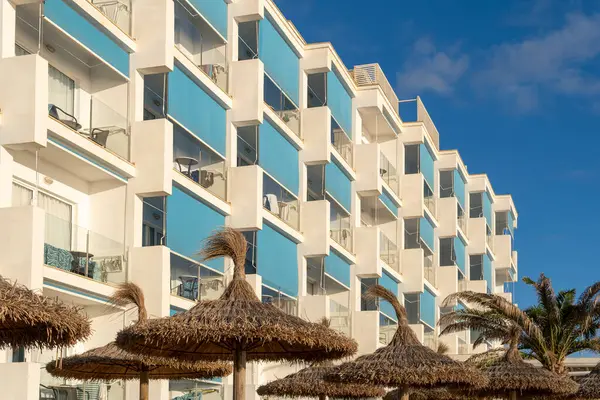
<point>459,252</point>
<point>189,222</point>
<point>174,310</point>
<point>76,25</point>
<point>388,282</point>
<point>337,268</point>
<point>281,62</point>
<point>386,198</point>
<point>426,232</point>
<point>215,12</point>
<point>427,165</point>
<point>487,272</point>
<point>191,106</point>
<point>278,157</point>
<point>277,261</point>
<point>339,101</point>
<point>428,308</point>
<point>460,190</point>
<point>338,185</point>
<point>487,209</point>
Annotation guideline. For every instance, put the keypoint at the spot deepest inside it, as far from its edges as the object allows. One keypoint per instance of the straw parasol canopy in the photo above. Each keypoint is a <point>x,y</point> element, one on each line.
<point>510,376</point>
<point>236,326</point>
<point>589,386</point>
<point>29,319</point>
<point>310,382</point>
<point>426,394</point>
<point>110,362</point>
<point>405,363</point>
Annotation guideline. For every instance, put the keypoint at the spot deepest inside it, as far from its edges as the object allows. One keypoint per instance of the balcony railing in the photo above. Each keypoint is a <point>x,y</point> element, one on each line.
<point>282,106</point>
<point>372,74</point>
<point>386,333</point>
<point>285,304</point>
<point>190,285</point>
<point>56,388</point>
<point>118,11</point>
<point>341,230</point>
<point>462,223</point>
<point>210,58</point>
<point>389,252</point>
<point>341,143</point>
<point>462,285</point>
<point>389,174</point>
<point>429,270</point>
<point>339,316</point>
<point>80,251</point>
<point>106,126</point>
<point>430,340</point>
<point>422,116</point>
<point>430,203</point>
<point>489,239</point>
<point>463,347</point>
<point>281,203</point>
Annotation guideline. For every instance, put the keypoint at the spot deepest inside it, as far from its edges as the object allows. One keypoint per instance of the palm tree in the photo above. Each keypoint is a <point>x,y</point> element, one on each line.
<point>551,330</point>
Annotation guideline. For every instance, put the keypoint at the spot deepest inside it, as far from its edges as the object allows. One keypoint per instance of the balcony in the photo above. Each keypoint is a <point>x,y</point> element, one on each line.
<point>204,47</point>
<point>118,12</point>
<point>287,112</point>
<point>376,166</point>
<point>341,230</point>
<point>451,217</point>
<point>194,282</point>
<point>430,339</point>
<point>58,388</point>
<point>372,74</point>
<point>387,329</point>
<point>199,163</point>
<point>429,270</point>
<point>280,202</point>
<point>342,143</point>
<point>278,299</point>
<point>422,116</point>
<point>389,252</point>
<point>77,250</point>
<point>339,317</point>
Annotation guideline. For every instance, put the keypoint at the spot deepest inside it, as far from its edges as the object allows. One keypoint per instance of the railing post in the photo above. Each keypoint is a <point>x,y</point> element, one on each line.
<point>87,252</point>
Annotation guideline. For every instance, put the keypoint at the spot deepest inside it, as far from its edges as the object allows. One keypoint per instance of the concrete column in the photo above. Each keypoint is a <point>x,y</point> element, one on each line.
<point>20,381</point>
<point>22,245</point>
<point>8,17</point>
<point>6,176</point>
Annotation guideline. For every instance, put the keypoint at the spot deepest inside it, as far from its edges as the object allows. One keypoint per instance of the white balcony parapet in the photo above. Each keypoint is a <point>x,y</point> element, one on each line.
<point>372,74</point>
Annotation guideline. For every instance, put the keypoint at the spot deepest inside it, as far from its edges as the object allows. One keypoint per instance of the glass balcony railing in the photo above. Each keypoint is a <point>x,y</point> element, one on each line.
<point>430,340</point>
<point>389,174</point>
<point>106,126</point>
<point>489,239</point>
<point>340,227</point>
<point>281,203</point>
<point>387,329</point>
<point>462,285</point>
<point>199,163</point>
<point>210,58</point>
<point>341,142</point>
<point>155,106</point>
<point>430,203</point>
<point>80,251</point>
<point>462,223</point>
<point>389,252</point>
<point>463,347</point>
<point>282,106</point>
<point>339,316</point>
<point>429,270</point>
<point>286,304</point>
<point>195,283</point>
<point>118,11</point>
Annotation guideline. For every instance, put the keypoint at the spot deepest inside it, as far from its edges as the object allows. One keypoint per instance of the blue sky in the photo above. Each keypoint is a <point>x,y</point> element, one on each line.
<point>515,86</point>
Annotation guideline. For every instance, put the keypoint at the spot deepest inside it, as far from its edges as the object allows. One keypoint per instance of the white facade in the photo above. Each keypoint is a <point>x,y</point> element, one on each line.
<point>128,133</point>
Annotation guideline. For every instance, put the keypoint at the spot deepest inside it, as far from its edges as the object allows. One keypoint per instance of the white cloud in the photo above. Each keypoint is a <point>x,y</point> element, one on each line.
<point>428,69</point>
<point>554,62</point>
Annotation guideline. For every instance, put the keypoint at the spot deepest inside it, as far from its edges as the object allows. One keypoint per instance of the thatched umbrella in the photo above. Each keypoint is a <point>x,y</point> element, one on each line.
<point>310,382</point>
<point>405,363</point>
<point>110,362</point>
<point>28,319</point>
<point>509,376</point>
<point>426,394</point>
<point>236,326</point>
<point>589,386</point>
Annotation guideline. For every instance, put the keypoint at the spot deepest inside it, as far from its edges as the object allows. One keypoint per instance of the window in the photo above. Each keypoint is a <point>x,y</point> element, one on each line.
<point>250,263</point>
<point>247,145</point>
<point>247,40</point>
<point>476,205</point>
<point>315,179</point>
<point>412,303</point>
<point>367,304</point>
<point>61,90</point>
<point>155,106</point>
<point>412,159</point>
<point>154,220</point>
<point>447,254</point>
<point>21,196</point>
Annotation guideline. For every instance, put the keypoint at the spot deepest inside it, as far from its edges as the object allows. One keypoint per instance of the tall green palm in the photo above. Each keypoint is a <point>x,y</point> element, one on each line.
<point>559,325</point>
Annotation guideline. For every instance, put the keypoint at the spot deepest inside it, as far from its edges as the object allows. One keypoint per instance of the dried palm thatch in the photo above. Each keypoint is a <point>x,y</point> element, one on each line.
<point>110,362</point>
<point>426,394</point>
<point>510,376</point>
<point>29,319</point>
<point>236,326</point>
<point>589,386</point>
<point>310,382</point>
<point>405,363</point>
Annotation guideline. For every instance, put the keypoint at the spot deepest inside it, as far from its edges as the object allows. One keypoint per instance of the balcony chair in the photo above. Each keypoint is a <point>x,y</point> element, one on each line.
<point>67,119</point>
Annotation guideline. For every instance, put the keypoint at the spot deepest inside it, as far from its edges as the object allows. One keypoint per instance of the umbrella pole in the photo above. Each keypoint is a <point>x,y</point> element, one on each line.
<point>513,395</point>
<point>239,372</point>
<point>144,385</point>
<point>321,397</point>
